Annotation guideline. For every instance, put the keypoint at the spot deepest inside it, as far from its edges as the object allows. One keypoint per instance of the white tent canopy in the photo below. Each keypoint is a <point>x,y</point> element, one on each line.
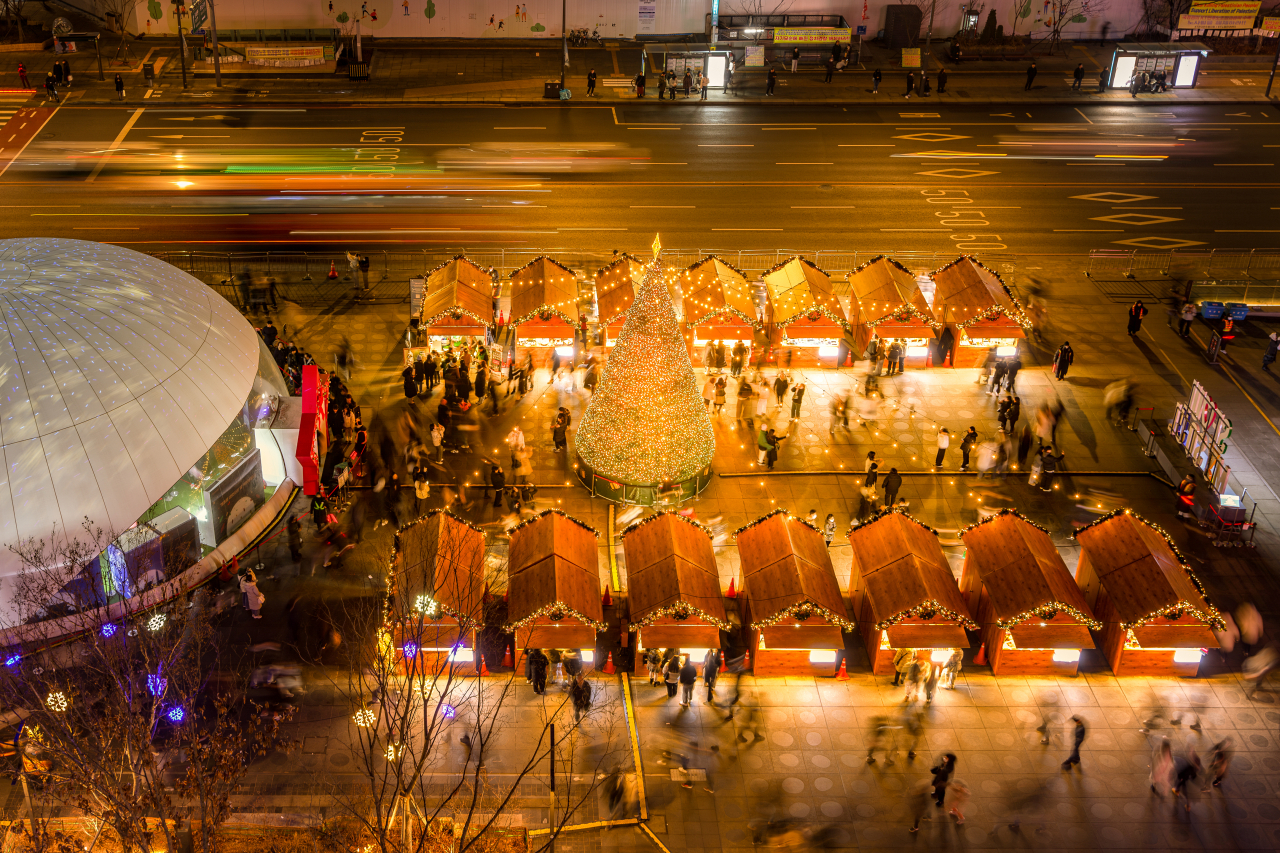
<point>117,373</point>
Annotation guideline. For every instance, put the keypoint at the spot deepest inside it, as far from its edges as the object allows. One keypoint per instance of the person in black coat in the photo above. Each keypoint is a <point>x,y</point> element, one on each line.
<point>1136,312</point>
<point>876,77</point>
<point>410,386</point>
<point>497,479</point>
<point>538,664</point>
<point>892,483</point>
<point>1062,360</point>
<point>942,81</point>
<point>942,775</point>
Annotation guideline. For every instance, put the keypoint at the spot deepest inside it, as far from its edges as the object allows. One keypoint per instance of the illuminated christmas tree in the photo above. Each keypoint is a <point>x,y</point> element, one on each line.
<point>647,424</point>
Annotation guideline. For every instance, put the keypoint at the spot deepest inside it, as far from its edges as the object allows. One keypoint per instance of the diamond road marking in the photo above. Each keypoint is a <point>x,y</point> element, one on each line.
<point>931,137</point>
<point>1118,198</point>
<point>1136,219</point>
<point>957,173</point>
<point>1158,243</point>
<point>944,153</point>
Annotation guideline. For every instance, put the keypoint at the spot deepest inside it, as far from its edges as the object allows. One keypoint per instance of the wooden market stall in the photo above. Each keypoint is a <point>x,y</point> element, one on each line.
<point>979,309</point>
<point>544,310</point>
<point>793,606</point>
<point>1034,618</point>
<point>886,303</point>
<point>457,308</point>
<point>673,586</point>
<point>553,586</point>
<point>437,593</point>
<point>805,317</point>
<point>903,593</point>
<point>718,306</point>
<point>616,286</point>
<point>1156,618</point>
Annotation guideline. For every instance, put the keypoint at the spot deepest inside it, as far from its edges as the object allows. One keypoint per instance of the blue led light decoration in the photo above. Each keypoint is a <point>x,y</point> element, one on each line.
<point>410,650</point>
<point>12,660</point>
<point>176,714</point>
<point>108,630</point>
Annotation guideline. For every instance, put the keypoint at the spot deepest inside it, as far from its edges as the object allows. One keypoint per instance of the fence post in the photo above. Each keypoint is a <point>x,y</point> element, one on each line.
<point>386,265</point>
<point>306,266</point>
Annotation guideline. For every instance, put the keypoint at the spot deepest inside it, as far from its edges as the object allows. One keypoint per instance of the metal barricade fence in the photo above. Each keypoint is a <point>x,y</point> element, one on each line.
<point>1190,263</point>
<point>1109,264</point>
<point>1264,264</point>
<point>1229,263</point>
<point>1149,264</point>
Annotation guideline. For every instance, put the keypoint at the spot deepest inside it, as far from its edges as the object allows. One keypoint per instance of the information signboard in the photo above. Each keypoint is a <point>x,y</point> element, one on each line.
<point>755,56</point>
<point>911,57</point>
<point>811,35</point>
<point>1220,15</point>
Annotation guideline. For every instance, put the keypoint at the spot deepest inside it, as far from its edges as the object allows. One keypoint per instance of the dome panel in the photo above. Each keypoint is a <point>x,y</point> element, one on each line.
<point>113,470</point>
<point>77,488</point>
<point>35,505</point>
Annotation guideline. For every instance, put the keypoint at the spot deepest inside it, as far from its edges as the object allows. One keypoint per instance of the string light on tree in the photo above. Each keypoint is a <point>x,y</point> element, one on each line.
<point>646,423</point>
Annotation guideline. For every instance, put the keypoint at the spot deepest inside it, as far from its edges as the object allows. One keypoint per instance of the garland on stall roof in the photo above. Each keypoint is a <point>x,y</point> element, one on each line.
<point>901,314</point>
<point>779,266</point>
<point>457,311</point>
<point>1019,316</point>
<point>544,308</point>
<point>727,309</point>
<point>691,267</point>
<point>665,513</point>
<point>802,611</point>
<point>556,612</point>
<point>546,258</point>
<point>1214,620</point>
<point>680,611</point>
<point>559,512</point>
<point>1176,611</point>
<point>821,309</point>
<point>1048,611</point>
<point>441,266</point>
<point>889,511</point>
<point>762,519</point>
<point>1003,513</point>
<point>877,258</point>
<point>625,256</point>
<point>927,610</point>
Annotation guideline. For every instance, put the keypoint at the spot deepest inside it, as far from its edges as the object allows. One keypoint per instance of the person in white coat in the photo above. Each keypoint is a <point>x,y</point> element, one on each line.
<point>253,597</point>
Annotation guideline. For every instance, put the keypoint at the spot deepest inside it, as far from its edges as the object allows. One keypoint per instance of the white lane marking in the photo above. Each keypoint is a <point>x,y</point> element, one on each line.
<point>124,131</point>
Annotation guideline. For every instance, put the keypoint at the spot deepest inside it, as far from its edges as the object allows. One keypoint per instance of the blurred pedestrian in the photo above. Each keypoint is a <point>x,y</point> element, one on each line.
<point>1219,763</point>
<point>1188,770</point>
<point>918,803</point>
<point>1249,620</point>
<point>294,532</point>
<point>911,84</point>
<point>797,396</point>
<point>1161,768</point>
<point>1077,739</point>
<point>1031,76</point>
<point>951,669</point>
<point>1269,357</point>
<point>22,76</point>
<point>688,678</point>
<point>653,663</point>
<point>1077,77</point>
<point>957,796</point>
<point>913,730</point>
<point>580,695</point>
<point>915,673</point>
<point>1062,360</point>
<point>1185,318</point>
<point>710,673</point>
<point>539,663</point>
<point>829,529</point>
<point>871,469</point>
<point>880,739</point>
<point>1136,312</point>
<point>66,73</point>
<point>941,776</point>
<point>966,447</point>
<point>902,659</point>
<point>931,679</point>
<point>942,81</point>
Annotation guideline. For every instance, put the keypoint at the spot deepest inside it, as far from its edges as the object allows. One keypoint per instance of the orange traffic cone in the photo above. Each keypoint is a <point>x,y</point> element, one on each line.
<point>607,601</point>
<point>506,657</point>
<point>333,270</point>
<point>733,590</point>
<point>484,670</point>
<point>746,660</point>
<point>843,674</point>
<point>980,659</point>
<point>501,320</point>
<point>608,665</point>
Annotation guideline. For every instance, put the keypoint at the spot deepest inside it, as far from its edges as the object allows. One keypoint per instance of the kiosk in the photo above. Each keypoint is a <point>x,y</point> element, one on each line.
<point>1180,60</point>
<point>887,304</point>
<point>437,594</point>
<point>903,593</point>
<point>718,306</point>
<point>979,309</point>
<point>673,586</point>
<point>806,319</point>
<point>792,600</point>
<point>457,307</point>
<point>553,586</point>
<point>1156,618</point>
<point>1034,618</point>
<point>544,310</point>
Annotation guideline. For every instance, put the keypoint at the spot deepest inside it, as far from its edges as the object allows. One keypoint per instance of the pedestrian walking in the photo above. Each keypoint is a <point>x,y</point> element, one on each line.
<point>591,83</point>
<point>942,775</point>
<point>253,597</point>
<point>944,441</point>
<point>911,84</point>
<point>671,675</point>
<point>795,59</point>
<point>918,801</point>
<point>797,396</point>
<point>580,695</point>
<point>770,81</point>
<point>942,81</point>
<point>831,69</point>
<point>120,86</point>
<point>902,659</point>
<point>1162,771</point>
<point>1188,770</point>
<point>653,663</point>
<point>951,670</point>
<point>1077,738</point>
<point>1062,360</point>
<point>829,529</point>
<point>22,76</point>
<point>539,663</point>
<point>966,447</point>
<point>1219,763</point>
<point>912,730</point>
<point>924,85</point>
<point>881,740</point>
<point>710,673</point>
<point>1136,312</point>
<point>915,672</point>
<point>1186,316</point>
<point>1031,76</point>
<point>892,483</point>
<point>728,77</point>
<point>875,81</point>
<point>57,73</point>
<point>1077,77</point>
<point>66,73</point>
<point>51,86</point>
<point>931,679</point>
<point>688,678</point>
<point>870,468</point>
<point>780,385</point>
<point>1273,343</point>
<point>1102,81</point>
<point>957,796</point>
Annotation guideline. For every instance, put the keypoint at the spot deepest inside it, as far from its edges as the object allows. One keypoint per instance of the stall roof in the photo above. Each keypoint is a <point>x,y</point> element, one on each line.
<point>544,285</point>
<point>441,556</point>
<point>458,287</point>
<point>968,292</point>
<point>785,565</point>
<point>884,291</point>
<point>712,287</point>
<point>905,571</point>
<point>670,562</point>
<point>798,288</point>
<point>552,566</point>
<point>1022,570</point>
<point>1140,569</point>
<point>616,286</point>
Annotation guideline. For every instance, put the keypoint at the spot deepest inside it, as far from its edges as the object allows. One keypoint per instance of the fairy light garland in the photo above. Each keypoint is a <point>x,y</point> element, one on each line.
<point>456,312</point>
<point>544,311</point>
<point>723,310</point>
<point>1048,611</point>
<point>887,511</point>
<point>927,610</point>
<point>802,611</point>
<point>522,279</point>
<point>697,276</point>
<point>455,259</point>
<point>762,519</point>
<point>667,514</point>
<point>1212,618</point>
<point>1004,513</point>
<point>681,611</point>
<point>901,314</point>
<point>824,304</point>
<point>546,512</point>
<point>646,423</point>
<point>557,612</point>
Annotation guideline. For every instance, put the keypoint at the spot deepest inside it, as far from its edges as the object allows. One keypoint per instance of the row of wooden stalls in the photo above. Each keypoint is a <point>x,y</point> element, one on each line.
<point>1132,592</point>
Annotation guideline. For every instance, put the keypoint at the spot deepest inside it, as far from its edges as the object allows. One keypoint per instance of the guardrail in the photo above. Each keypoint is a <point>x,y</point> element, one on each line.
<point>1245,264</point>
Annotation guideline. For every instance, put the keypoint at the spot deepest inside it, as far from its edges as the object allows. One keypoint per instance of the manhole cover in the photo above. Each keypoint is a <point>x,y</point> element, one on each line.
<point>314,744</point>
<point>339,760</point>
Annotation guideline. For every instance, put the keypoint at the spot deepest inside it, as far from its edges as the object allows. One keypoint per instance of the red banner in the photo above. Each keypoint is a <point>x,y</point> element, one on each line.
<point>314,426</point>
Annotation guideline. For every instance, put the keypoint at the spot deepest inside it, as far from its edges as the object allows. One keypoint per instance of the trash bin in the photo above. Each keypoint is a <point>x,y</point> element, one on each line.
<point>1211,310</point>
<point>149,72</point>
<point>1237,311</point>
<point>551,90</point>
